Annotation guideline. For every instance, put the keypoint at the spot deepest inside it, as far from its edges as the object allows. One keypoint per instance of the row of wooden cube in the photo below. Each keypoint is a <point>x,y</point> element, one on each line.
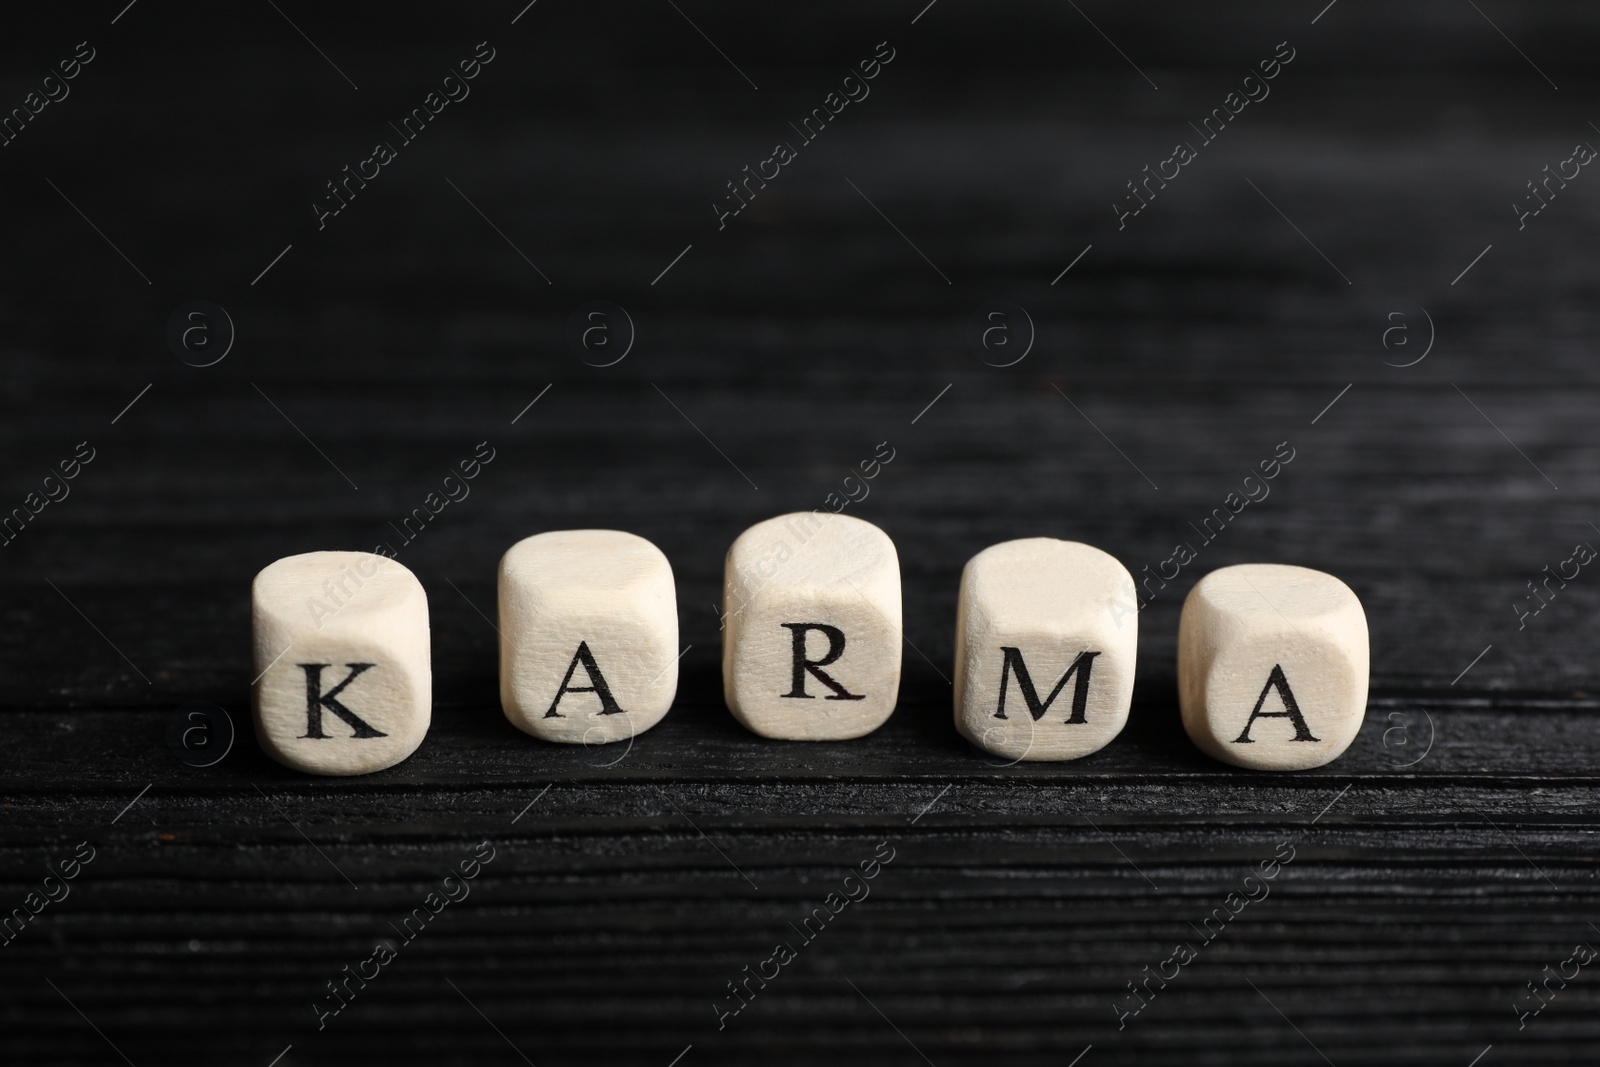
<point>1272,660</point>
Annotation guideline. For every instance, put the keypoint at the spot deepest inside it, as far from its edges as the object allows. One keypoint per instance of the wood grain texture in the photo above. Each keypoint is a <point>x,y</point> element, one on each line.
<point>1455,858</point>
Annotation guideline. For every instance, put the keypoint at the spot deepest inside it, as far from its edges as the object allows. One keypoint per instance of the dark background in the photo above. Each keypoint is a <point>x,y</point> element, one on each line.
<point>1456,856</point>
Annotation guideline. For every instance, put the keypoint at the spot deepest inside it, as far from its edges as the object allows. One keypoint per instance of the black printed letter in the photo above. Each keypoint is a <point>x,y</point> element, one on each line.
<point>597,684</point>
<point>1080,694</point>
<point>1291,710</point>
<point>802,665</point>
<point>316,700</point>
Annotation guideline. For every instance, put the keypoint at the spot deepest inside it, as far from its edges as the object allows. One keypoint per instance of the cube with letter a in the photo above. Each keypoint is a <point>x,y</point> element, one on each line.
<point>811,627</point>
<point>1272,666</point>
<point>1046,639</point>
<point>344,684</point>
<point>588,636</point>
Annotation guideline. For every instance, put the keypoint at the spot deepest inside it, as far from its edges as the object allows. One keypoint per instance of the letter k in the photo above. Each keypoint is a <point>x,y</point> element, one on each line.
<point>316,700</point>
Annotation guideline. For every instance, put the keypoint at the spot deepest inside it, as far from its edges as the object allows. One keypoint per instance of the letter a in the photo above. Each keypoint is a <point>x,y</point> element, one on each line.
<point>597,684</point>
<point>1291,709</point>
<point>316,700</point>
<point>802,665</point>
<point>1080,695</point>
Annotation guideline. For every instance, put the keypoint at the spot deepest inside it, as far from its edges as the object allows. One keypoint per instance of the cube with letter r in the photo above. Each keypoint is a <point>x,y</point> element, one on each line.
<point>811,627</point>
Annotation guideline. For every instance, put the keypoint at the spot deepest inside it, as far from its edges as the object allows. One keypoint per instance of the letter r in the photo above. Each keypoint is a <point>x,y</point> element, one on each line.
<point>814,666</point>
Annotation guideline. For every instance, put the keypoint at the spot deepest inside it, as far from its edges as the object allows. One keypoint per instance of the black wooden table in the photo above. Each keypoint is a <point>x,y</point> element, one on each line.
<point>1342,268</point>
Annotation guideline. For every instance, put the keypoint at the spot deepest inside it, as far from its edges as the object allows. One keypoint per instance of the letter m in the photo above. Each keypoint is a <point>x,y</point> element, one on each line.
<point>1080,695</point>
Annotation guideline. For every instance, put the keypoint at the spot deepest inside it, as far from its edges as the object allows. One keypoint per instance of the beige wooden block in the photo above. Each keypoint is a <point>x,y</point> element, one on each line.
<point>588,636</point>
<point>811,627</point>
<point>1044,656</point>
<point>344,685</point>
<point>1272,666</point>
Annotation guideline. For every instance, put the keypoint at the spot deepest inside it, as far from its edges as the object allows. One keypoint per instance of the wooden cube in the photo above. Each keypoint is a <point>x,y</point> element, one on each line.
<point>588,636</point>
<point>344,684</point>
<point>1272,666</point>
<point>811,627</point>
<point>1046,640</point>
